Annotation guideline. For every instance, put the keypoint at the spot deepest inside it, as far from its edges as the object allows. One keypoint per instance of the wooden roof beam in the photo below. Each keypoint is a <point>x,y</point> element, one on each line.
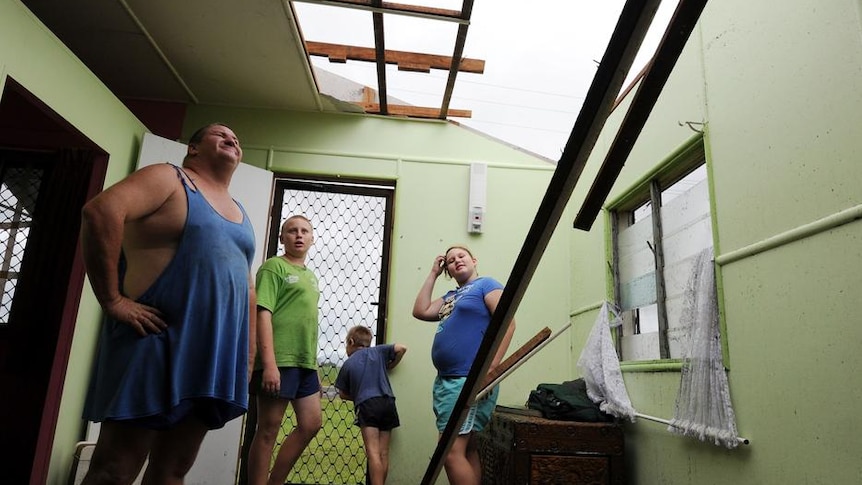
<point>460,40</point>
<point>420,11</point>
<point>413,111</point>
<point>652,83</point>
<point>406,61</point>
<point>380,57</point>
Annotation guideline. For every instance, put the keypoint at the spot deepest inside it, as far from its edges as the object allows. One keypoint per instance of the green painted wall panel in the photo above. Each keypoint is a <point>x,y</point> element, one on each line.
<point>343,165</point>
<point>796,359</point>
<point>360,136</point>
<point>785,84</point>
<point>779,86</point>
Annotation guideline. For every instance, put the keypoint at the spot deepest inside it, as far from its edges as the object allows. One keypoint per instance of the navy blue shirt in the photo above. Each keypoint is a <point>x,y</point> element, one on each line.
<point>364,376</point>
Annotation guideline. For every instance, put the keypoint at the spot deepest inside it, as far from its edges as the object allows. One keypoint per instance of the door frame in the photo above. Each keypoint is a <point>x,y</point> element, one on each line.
<point>33,126</point>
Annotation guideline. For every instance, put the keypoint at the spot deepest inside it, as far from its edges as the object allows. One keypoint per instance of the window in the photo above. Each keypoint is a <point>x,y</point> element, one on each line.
<point>657,231</point>
<point>19,189</point>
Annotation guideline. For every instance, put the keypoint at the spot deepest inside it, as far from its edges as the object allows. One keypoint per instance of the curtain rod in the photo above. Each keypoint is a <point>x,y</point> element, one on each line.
<point>740,439</point>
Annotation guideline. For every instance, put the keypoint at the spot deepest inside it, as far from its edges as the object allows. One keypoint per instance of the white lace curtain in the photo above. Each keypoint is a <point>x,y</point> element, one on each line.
<point>703,407</point>
<point>600,368</point>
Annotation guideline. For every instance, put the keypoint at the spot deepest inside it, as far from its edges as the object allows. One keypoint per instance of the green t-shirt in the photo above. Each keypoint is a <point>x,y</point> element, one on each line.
<point>290,292</point>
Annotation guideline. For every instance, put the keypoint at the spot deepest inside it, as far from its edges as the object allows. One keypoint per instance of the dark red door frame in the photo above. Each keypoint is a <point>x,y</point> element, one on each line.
<point>32,125</point>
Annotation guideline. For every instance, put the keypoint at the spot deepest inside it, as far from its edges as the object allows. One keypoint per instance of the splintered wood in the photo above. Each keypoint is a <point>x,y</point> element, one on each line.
<point>519,354</point>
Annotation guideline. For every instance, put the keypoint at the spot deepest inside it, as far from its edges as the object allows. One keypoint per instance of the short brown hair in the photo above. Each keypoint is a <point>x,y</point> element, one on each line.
<point>198,135</point>
<point>361,336</point>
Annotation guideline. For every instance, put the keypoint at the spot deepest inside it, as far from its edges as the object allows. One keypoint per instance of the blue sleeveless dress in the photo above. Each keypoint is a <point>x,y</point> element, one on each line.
<point>198,365</point>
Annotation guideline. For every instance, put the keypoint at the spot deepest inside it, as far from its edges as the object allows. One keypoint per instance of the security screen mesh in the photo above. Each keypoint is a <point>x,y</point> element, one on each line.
<point>19,189</point>
<point>349,257</point>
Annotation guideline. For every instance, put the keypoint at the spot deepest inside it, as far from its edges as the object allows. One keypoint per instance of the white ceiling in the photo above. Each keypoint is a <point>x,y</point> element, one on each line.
<point>245,53</point>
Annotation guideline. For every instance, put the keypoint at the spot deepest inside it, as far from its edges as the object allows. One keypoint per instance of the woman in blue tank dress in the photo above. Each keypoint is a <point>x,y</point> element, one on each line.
<point>463,314</point>
<point>168,253</point>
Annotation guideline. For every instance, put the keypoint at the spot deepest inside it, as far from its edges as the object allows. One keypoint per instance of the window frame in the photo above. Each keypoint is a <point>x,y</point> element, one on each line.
<point>647,189</point>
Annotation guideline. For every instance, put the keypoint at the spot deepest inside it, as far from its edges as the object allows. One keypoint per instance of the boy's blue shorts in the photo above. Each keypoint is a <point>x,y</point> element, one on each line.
<point>296,383</point>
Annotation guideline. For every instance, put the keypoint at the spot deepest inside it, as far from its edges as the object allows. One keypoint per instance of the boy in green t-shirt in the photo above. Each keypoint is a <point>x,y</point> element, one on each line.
<point>286,365</point>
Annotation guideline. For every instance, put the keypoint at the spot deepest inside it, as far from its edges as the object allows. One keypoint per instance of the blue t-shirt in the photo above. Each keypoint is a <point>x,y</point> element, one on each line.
<point>363,375</point>
<point>464,318</point>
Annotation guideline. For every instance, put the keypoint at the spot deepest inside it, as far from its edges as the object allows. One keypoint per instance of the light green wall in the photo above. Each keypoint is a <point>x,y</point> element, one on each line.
<point>429,162</point>
<point>778,84</point>
<point>34,58</point>
<point>357,137</point>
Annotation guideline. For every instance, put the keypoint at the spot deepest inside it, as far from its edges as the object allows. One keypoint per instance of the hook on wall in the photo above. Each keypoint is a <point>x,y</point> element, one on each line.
<point>690,125</point>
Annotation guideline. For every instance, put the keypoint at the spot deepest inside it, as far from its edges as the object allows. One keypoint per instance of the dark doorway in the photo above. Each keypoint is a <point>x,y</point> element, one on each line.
<point>47,170</point>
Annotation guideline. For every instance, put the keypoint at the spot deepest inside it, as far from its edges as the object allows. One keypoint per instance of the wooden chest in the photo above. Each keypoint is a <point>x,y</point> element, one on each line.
<point>517,449</point>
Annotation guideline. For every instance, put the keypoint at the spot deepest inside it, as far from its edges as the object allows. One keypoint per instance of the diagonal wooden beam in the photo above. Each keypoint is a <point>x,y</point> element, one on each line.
<point>406,61</point>
<point>679,29</point>
<point>460,40</point>
<point>625,41</point>
<point>380,57</point>
<point>519,354</point>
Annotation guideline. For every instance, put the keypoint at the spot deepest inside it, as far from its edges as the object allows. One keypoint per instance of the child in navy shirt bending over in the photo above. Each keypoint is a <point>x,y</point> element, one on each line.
<point>363,379</point>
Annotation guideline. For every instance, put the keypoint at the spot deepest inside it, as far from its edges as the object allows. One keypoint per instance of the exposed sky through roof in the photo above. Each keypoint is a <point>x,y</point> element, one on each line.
<point>540,58</point>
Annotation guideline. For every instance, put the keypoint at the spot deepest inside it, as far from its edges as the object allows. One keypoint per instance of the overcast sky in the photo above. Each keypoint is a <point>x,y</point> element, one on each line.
<point>540,58</point>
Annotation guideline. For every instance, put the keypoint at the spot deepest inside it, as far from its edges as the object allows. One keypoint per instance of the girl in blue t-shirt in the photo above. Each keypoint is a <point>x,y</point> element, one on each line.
<point>463,315</point>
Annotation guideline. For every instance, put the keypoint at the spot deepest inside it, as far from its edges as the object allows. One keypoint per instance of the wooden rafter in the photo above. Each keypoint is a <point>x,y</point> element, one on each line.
<point>655,75</point>
<point>395,8</point>
<point>370,105</point>
<point>406,61</point>
<point>460,40</point>
<point>380,56</point>
<point>414,111</point>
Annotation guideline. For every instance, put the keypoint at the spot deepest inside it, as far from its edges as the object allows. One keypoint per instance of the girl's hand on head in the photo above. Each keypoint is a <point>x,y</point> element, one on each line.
<point>439,265</point>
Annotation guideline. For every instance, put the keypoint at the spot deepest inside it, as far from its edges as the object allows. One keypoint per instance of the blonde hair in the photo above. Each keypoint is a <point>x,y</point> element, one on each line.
<point>360,335</point>
<point>297,216</point>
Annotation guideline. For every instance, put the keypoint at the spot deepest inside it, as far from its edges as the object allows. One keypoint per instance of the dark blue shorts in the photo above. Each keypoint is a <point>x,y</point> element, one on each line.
<point>296,382</point>
<point>378,412</point>
<point>213,413</point>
